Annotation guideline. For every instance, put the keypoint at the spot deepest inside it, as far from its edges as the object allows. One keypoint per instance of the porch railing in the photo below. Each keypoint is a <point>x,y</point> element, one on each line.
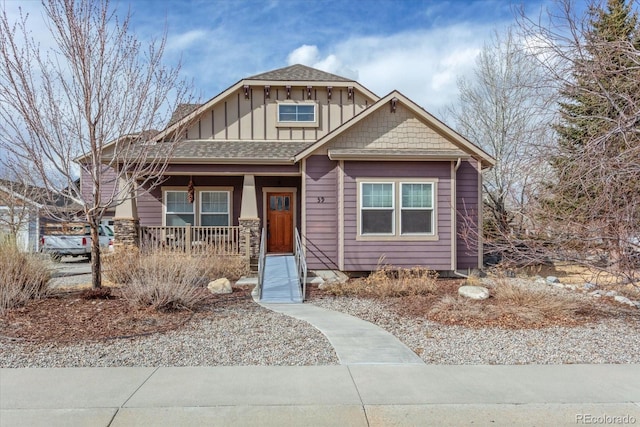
<point>261,262</point>
<point>301,264</point>
<point>195,239</point>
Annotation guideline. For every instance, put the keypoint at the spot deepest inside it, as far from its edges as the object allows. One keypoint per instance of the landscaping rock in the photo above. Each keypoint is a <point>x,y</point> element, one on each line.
<point>624,300</point>
<point>589,286</point>
<point>474,292</point>
<point>220,286</point>
<point>552,279</point>
<point>611,294</point>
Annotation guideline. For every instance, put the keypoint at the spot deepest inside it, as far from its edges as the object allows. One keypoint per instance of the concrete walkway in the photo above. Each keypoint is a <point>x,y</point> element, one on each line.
<point>356,341</point>
<point>353,395</point>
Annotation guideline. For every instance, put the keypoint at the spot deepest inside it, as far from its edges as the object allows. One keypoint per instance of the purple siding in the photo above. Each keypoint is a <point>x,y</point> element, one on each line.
<point>362,255</point>
<point>108,182</point>
<point>321,198</point>
<point>467,216</point>
<point>150,203</point>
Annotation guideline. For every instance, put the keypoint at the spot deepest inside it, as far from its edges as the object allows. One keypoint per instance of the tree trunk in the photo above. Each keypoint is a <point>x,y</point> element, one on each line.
<point>96,274</point>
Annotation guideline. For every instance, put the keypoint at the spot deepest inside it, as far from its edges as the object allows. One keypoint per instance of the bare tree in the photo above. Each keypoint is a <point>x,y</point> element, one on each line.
<point>591,209</point>
<point>86,106</point>
<point>505,109</point>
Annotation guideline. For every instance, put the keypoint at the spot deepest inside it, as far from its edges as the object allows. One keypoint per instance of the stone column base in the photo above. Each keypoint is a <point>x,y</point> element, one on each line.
<point>127,232</point>
<point>250,239</point>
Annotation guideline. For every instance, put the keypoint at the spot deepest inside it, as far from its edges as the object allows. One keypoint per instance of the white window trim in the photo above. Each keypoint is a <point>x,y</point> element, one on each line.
<point>432,208</point>
<point>166,212</point>
<point>288,124</point>
<point>200,192</point>
<point>392,208</point>
<point>196,202</point>
<point>397,236</point>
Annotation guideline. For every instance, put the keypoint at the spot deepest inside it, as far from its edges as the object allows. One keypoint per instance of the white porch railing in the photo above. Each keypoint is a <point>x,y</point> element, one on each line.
<point>195,239</point>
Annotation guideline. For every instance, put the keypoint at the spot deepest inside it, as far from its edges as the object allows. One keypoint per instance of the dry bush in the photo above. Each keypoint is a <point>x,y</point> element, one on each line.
<point>389,282</point>
<point>23,276</point>
<point>232,267</point>
<point>165,282</point>
<point>511,305</point>
<point>118,267</point>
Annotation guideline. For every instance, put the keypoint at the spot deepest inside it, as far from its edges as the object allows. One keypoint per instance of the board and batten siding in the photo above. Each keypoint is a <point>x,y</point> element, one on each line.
<point>361,255</point>
<point>321,199</point>
<point>467,179</point>
<point>236,117</point>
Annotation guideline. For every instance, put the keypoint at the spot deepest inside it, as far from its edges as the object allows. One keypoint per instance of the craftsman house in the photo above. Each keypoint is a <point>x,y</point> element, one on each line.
<point>301,154</point>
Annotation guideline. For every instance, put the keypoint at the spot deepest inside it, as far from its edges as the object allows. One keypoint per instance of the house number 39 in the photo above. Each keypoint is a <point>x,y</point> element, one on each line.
<point>320,199</point>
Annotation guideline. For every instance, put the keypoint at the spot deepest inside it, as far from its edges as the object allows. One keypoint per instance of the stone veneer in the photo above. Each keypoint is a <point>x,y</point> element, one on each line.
<point>250,227</point>
<point>127,232</point>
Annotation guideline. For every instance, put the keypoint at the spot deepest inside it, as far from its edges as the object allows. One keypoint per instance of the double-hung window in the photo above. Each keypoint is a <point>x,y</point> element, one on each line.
<point>397,208</point>
<point>214,208</point>
<point>377,208</point>
<point>416,208</point>
<point>179,211</point>
<point>211,207</point>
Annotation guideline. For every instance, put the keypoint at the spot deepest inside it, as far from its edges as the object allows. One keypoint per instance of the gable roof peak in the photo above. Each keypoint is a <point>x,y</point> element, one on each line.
<point>299,72</point>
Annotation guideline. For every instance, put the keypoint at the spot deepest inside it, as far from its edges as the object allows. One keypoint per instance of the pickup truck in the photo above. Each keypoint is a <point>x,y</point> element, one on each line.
<point>75,244</point>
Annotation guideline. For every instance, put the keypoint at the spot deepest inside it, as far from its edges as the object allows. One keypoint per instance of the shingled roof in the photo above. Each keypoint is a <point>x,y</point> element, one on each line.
<point>299,72</point>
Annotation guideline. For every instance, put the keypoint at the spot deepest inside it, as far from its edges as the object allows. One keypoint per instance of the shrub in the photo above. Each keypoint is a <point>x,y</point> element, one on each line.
<point>165,282</point>
<point>388,281</point>
<point>23,276</point>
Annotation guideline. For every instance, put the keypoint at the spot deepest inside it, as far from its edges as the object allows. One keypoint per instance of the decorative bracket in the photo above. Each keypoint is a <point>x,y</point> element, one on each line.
<point>267,90</point>
<point>288,87</point>
<point>309,91</point>
<point>329,89</point>
<point>246,91</point>
<point>350,92</point>
<point>394,103</point>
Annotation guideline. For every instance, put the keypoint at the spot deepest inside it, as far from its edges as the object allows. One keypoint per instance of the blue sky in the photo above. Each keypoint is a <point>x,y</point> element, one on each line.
<point>419,47</point>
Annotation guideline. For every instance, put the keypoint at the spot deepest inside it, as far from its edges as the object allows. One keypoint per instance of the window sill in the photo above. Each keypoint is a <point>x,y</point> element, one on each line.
<point>402,238</point>
<point>297,125</point>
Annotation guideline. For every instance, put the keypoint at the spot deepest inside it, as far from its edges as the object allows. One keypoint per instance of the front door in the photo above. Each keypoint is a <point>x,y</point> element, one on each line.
<point>280,222</point>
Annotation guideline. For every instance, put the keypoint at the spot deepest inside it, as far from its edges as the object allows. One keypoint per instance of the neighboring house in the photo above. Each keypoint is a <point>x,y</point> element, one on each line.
<point>20,214</point>
<point>364,179</point>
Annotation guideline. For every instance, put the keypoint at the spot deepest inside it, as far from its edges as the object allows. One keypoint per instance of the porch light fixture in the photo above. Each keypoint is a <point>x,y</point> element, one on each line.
<point>350,92</point>
<point>309,91</point>
<point>288,91</point>
<point>267,89</point>
<point>329,89</point>
<point>394,103</point>
<point>246,91</point>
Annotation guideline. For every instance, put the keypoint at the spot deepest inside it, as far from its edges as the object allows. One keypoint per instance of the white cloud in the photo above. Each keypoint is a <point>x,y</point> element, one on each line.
<point>184,41</point>
<point>305,54</point>
<point>424,64</point>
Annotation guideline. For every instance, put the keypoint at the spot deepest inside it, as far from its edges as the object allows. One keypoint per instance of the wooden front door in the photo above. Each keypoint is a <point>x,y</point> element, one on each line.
<point>280,222</point>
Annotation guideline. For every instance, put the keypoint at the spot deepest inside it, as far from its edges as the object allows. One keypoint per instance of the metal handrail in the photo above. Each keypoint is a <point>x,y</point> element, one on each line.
<point>261,261</point>
<point>301,264</point>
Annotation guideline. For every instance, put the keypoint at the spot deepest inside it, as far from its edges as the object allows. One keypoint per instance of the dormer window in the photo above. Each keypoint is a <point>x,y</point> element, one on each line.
<point>296,114</point>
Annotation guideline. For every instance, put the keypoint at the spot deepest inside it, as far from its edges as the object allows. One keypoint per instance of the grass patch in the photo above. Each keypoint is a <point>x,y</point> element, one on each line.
<point>23,276</point>
<point>388,281</point>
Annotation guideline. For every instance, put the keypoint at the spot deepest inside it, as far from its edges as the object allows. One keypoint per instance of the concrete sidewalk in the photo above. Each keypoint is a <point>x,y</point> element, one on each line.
<point>353,395</point>
<point>355,341</point>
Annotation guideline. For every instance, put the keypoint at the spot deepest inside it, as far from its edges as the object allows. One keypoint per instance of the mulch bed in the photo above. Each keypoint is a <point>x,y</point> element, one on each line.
<point>71,317</point>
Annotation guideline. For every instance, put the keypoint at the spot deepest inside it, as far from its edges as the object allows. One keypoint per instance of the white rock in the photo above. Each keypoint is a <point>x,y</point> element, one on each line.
<point>589,286</point>
<point>474,292</point>
<point>611,294</point>
<point>552,279</point>
<point>220,286</point>
<point>624,300</point>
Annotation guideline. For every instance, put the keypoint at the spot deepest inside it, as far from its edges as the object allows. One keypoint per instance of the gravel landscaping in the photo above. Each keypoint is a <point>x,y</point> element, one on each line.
<point>244,333</point>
